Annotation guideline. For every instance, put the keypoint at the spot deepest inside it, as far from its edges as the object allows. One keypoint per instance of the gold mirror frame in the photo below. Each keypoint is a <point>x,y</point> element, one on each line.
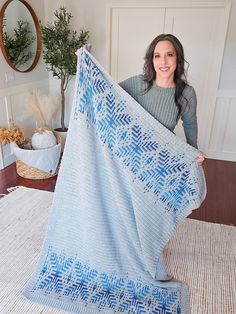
<point>38,36</point>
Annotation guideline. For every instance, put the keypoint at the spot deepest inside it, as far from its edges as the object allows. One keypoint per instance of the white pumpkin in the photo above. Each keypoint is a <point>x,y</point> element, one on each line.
<point>43,139</point>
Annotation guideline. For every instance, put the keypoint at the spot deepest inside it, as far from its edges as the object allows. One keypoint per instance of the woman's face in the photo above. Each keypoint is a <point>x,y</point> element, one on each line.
<point>164,60</point>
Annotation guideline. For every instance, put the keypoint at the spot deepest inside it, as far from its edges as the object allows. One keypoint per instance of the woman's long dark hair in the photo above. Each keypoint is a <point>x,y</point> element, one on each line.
<point>179,75</point>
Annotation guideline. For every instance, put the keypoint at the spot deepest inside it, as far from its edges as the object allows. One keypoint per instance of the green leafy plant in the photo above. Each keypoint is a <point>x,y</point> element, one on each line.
<point>59,46</point>
<point>17,46</point>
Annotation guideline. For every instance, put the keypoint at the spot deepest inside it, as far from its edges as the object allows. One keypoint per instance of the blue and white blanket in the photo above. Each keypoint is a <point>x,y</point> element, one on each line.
<point>124,185</point>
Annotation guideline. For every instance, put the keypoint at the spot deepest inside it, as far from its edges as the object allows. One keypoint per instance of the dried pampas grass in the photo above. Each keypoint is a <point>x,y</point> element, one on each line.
<point>42,107</point>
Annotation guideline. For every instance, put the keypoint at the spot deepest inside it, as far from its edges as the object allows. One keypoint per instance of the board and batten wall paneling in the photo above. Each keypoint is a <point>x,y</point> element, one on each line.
<point>204,48</point>
<point>222,143</point>
<point>14,108</point>
<point>6,156</point>
<point>129,38</point>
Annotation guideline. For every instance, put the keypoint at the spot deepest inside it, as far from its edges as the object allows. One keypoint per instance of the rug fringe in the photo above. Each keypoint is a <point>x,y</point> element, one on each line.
<point>9,190</point>
<point>13,188</point>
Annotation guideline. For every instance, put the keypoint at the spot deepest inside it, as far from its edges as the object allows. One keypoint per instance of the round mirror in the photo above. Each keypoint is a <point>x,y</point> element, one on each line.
<point>20,35</point>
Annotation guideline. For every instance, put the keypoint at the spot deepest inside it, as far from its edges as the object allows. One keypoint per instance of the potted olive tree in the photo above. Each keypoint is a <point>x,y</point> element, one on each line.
<point>59,46</point>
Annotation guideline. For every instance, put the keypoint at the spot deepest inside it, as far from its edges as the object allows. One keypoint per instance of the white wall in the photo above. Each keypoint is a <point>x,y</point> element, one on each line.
<point>228,80</point>
<point>92,15</point>
<point>16,78</point>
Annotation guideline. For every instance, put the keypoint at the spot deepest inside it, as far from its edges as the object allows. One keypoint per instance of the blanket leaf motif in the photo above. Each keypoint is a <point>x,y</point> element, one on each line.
<point>125,184</point>
<point>137,149</point>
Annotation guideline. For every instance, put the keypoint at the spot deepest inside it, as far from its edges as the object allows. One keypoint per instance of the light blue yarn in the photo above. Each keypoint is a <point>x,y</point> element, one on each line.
<point>124,185</point>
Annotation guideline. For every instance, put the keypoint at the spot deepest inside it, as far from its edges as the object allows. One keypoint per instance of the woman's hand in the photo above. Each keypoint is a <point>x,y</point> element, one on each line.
<point>88,47</point>
<point>200,158</point>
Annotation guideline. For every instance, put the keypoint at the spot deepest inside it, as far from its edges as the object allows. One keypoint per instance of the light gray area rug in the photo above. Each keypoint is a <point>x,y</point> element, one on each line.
<point>203,255</point>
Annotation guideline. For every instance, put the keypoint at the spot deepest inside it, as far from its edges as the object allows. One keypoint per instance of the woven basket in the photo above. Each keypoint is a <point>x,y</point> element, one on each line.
<point>29,172</point>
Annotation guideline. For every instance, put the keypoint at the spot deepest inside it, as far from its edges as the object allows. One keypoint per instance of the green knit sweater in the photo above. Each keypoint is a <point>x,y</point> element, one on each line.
<point>160,103</point>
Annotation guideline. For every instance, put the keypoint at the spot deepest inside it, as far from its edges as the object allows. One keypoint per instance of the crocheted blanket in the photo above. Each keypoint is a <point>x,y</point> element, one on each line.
<point>124,185</point>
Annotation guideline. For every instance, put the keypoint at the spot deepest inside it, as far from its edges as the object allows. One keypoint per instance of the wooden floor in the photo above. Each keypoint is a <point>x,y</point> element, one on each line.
<point>219,205</point>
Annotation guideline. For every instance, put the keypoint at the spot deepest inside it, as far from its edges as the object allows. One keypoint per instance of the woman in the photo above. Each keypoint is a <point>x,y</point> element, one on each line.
<point>163,90</point>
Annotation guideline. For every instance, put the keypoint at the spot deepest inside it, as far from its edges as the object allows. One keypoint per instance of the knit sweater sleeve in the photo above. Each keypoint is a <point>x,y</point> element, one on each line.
<point>131,85</point>
<point>189,118</point>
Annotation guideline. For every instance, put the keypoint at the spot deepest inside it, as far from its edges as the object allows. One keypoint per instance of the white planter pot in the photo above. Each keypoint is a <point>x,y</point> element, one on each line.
<point>63,138</point>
